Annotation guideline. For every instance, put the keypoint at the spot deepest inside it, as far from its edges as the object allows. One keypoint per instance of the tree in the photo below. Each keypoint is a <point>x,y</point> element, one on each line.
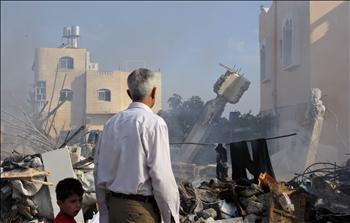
<point>175,102</point>
<point>182,115</point>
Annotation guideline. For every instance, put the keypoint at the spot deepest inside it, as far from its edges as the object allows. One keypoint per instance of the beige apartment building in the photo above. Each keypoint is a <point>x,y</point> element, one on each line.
<point>305,45</point>
<point>66,78</point>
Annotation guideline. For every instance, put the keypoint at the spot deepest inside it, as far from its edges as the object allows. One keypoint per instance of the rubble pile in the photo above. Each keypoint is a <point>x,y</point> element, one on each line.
<point>217,200</point>
<point>328,187</point>
<point>317,195</point>
<point>25,195</point>
<point>320,194</point>
<point>22,192</point>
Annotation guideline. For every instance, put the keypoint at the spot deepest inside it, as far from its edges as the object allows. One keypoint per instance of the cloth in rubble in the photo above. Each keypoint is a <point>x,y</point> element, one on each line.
<point>21,161</point>
<point>261,158</point>
<point>241,159</point>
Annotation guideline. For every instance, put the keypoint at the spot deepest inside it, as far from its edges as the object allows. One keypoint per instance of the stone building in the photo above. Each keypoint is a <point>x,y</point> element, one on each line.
<point>305,45</point>
<point>65,78</point>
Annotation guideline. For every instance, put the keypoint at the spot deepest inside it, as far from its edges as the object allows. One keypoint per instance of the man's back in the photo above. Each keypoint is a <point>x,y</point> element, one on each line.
<point>123,153</point>
<point>133,157</point>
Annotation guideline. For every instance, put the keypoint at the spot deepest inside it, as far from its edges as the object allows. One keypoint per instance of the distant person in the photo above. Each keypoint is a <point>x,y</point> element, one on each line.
<point>134,180</point>
<point>221,163</point>
<point>69,194</point>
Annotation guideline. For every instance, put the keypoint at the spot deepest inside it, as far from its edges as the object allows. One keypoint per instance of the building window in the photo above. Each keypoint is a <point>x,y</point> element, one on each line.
<point>265,59</point>
<point>66,63</point>
<point>104,95</point>
<point>287,43</point>
<point>280,51</point>
<point>40,91</point>
<point>263,62</point>
<point>66,95</point>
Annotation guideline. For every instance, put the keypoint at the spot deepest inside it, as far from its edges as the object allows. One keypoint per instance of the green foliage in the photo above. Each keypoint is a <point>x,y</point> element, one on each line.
<point>248,126</point>
<point>183,114</point>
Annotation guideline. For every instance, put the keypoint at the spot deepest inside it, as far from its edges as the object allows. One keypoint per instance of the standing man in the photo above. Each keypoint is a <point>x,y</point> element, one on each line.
<point>221,163</point>
<point>134,181</point>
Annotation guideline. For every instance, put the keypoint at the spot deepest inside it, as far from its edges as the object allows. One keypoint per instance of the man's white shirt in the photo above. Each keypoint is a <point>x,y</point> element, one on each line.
<point>133,157</point>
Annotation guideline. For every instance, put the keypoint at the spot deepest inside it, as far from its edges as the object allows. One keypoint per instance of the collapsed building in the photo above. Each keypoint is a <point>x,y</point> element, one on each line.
<point>242,188</point>
<point>320,193</point>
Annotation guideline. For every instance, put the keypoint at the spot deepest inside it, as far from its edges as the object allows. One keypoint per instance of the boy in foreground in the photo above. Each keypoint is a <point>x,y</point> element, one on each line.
<point>69,194</point>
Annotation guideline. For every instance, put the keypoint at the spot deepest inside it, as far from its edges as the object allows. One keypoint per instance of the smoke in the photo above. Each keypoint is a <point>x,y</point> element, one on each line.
<point>19,38</point>
<point>185,48</point>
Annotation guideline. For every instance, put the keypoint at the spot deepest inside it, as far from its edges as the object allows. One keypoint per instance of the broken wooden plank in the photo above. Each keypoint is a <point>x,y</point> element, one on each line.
<point>23,174</point>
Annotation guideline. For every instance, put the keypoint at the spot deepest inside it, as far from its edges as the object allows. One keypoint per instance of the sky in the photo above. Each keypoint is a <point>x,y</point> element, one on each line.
<point>185,40</point>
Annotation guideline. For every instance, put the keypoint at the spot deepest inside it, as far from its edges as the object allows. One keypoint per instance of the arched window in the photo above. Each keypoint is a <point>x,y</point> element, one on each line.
<point>287,42</point>
<point>66,63</point>
<point>66,95</point>
<point>104,95</point>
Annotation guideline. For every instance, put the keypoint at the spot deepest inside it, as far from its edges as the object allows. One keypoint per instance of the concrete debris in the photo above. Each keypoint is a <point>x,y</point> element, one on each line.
<point>252,190</point>
<point>25,192</point>
<point>227,210</point>
<point>231,220</point>
<point>220,200</point>
<point>330,199</point>
<point>320,194</point>
<point>251,218</point>
<point>207,213</point>
<point>229,88</point>
<point>312,199</point>
<point>231,85</point>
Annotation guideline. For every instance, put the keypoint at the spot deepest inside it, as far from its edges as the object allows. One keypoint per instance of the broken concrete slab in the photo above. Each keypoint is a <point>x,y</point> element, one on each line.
<point>58,163</point>
<point>230,220</point>
<point>229,89</point>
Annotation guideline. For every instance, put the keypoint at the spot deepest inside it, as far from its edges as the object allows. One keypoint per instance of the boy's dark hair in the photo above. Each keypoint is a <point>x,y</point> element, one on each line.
<point>67,187</point>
